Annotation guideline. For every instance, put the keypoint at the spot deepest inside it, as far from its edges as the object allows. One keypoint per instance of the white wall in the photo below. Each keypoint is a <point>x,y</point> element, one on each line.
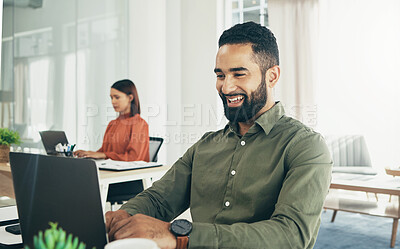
<point>172,56</point>
<point>147,60</point>
<point>199,47</point>
<point>174,78</point>
<point>358,91</point>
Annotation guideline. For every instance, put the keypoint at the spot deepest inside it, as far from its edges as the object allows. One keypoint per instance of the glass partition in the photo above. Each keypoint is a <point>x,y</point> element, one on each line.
<point>59,59</point>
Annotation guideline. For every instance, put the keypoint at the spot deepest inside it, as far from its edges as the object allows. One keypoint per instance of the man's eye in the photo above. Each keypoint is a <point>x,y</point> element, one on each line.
<point>220,75</point>
<point>239,74</point>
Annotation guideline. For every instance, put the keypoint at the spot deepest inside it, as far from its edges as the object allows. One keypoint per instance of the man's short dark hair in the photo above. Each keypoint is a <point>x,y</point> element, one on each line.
<point>262,40</point>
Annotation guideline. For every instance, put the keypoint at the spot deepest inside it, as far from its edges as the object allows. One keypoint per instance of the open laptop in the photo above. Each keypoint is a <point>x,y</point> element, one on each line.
<point>58,189</point>
<point>109,164</point>
<point>51,138</point>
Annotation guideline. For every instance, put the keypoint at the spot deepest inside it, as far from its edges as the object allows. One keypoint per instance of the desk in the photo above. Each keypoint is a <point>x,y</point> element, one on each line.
<point>148,175</point>
<point>8,215</point>
<point>106,177</point>
<point>340,201</point>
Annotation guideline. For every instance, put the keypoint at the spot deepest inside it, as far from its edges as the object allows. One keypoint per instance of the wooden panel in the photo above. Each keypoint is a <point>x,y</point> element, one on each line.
<point>392,172</point>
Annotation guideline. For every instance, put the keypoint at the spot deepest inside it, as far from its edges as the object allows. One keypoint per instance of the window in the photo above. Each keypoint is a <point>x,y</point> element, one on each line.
<point>59,69</point>
<point>239,11</point>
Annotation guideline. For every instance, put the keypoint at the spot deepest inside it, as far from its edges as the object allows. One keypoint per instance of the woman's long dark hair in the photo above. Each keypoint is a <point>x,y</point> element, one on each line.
<point>128,87</point>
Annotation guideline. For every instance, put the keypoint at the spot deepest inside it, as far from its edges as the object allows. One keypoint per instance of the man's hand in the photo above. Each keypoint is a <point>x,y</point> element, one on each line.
<point>113,217</point>
<point>120,225</point>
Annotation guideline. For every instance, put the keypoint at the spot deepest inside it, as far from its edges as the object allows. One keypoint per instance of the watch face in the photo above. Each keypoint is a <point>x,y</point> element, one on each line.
<point>181,227</point>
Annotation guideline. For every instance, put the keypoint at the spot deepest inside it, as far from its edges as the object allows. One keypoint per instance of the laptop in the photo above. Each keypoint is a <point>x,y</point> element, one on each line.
<point>109,164</point>
<point>58,189</point>
<point>51,138</point>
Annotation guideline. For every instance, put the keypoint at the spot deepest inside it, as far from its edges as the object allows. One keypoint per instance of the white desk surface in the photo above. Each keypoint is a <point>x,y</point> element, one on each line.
<point>107,176</point>
<point>148,175</point>
<point>6,238</point>
<point>8,213</point>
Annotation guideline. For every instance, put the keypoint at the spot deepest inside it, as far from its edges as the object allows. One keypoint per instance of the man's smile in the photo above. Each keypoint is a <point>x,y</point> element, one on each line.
<point>235,101</point>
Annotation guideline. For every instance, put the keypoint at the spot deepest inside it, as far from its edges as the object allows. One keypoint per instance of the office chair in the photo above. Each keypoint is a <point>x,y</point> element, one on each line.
<point>154,147</point>
<point>350,156</point>
<point>120,192</point>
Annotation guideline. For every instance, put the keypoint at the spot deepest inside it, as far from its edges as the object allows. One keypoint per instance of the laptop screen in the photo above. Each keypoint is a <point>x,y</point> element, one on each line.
<point>51,138</point>
<point>60,190</point>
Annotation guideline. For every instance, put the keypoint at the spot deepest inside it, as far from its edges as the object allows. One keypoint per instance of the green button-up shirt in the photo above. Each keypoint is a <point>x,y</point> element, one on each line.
<point>262,190</point>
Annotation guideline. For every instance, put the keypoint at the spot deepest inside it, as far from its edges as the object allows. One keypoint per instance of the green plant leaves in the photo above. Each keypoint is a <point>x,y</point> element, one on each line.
<point>54,238</point>
<point>8,137</point>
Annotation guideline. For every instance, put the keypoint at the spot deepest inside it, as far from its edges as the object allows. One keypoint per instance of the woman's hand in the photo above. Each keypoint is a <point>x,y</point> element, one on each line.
<point>90,154</point>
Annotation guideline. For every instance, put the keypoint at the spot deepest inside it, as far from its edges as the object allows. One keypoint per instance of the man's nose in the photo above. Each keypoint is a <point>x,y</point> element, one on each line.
<point>228,86</point>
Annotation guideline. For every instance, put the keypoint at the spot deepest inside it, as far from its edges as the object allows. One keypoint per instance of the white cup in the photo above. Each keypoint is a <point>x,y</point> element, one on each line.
<point>132,244</point>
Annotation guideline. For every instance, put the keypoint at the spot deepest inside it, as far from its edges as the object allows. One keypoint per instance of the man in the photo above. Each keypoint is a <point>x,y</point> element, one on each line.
<point>258,183</point>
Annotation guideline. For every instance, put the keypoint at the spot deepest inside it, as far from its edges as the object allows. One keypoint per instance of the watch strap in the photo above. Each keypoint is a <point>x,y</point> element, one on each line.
<point>182,242</point>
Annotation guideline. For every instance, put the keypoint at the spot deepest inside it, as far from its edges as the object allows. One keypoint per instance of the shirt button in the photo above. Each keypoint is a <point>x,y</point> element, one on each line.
<point>243,143</point>
<point>227,203</point>
<point>233,172</point>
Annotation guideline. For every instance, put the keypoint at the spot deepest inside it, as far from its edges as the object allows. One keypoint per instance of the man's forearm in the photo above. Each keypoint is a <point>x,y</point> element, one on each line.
<point>167,198</point>
<point>149,203</point>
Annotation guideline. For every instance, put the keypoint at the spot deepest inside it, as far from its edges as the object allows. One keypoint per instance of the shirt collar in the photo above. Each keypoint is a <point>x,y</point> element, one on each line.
<point>266,121</point>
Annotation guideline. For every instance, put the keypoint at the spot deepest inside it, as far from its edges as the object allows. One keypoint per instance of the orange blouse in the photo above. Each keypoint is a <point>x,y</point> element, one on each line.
<point>126,139</point>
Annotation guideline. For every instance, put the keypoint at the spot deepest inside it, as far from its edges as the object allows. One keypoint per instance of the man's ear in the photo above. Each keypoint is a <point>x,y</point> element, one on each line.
<point>272,76</point>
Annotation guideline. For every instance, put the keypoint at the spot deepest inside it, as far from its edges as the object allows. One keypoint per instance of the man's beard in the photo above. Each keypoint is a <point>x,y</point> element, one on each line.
<point>250,107</point>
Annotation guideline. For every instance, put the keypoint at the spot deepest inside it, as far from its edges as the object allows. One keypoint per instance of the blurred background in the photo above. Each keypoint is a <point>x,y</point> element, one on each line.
<point>340,62</point>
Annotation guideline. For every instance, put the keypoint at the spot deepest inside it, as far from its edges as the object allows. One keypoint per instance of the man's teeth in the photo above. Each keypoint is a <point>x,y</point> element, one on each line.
<point>237,99</point>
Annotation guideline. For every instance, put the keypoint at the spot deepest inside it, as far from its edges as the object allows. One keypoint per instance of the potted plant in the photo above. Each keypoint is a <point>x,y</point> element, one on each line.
<point>7,137</point>
<point>56,238</point>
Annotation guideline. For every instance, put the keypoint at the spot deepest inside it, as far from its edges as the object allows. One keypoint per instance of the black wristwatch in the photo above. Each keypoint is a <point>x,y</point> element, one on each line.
<point>181,229</point>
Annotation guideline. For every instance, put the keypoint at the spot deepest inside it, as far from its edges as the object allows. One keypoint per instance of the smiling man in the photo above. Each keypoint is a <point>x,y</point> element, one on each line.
<point>241,81</point>
<point>258,183</point>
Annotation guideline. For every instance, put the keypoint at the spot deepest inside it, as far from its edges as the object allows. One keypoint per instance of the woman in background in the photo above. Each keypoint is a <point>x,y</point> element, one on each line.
<point>127,137</point>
